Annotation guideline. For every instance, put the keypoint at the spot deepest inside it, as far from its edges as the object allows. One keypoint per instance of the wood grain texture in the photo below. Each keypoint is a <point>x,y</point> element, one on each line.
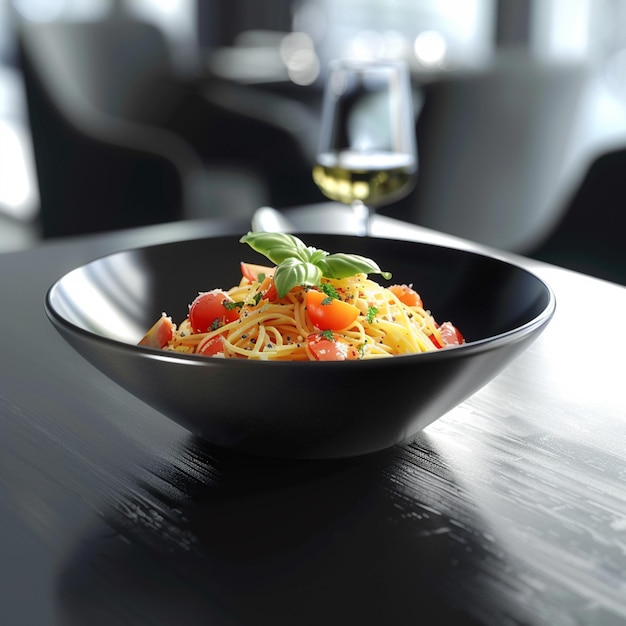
<point>511,509</point>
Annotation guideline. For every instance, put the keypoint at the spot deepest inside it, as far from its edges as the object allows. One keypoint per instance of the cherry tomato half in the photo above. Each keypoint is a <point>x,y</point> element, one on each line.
<point>207,311</point>
<point>324,349</point>
<point>160,333</point>
<point>211,347</point>
<point>252,272</point>
<point>450,334</point>
<point>329,314</point>
<point>407,295</point>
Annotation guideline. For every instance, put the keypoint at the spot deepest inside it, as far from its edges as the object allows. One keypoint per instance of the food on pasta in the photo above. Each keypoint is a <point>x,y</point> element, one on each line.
<point>308,306</point>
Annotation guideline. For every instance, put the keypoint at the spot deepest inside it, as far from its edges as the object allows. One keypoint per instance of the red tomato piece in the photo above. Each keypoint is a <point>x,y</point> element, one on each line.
<point>268,289</point>
<point>325,349</point>
<point>211,347</point>
<point>254,273</point>
<point>435,341</point>
<point>329,314</point>
<point>207,311</point>
<point>160,333</point>
<point>450,334</point>
<point>251,271</point>
<point>406,294</point>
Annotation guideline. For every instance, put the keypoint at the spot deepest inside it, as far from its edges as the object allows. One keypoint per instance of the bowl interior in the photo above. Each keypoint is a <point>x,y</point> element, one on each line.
<point>121,295</point>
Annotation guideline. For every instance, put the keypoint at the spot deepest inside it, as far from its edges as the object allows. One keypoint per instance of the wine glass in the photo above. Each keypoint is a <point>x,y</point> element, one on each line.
<point>367,154</point>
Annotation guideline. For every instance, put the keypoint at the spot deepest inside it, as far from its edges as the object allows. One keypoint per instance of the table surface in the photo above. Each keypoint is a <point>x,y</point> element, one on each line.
<point>510,509</point>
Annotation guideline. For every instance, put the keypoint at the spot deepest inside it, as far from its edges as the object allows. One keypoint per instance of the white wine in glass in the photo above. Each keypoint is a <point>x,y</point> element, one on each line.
<point>367,154</point>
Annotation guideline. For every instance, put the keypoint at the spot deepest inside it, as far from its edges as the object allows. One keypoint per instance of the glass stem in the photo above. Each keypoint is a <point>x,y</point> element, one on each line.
<point>363,216</point>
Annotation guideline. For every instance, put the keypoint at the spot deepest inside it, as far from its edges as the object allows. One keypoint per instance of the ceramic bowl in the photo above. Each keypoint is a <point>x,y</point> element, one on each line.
<point>298,410</point>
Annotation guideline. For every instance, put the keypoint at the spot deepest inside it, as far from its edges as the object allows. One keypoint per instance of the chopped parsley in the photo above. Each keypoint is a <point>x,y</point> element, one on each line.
<point>330,291</point>
<point>229,306</point>
<point>371,314</point>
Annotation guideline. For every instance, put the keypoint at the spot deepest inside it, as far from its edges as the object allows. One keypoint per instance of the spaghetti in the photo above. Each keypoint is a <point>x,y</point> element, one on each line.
<point>338,319</point>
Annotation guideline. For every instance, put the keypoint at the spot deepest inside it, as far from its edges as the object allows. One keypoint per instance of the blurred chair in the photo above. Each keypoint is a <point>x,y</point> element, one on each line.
<point>497,150</point>
<point>589,238</point>
<point>121,139</point>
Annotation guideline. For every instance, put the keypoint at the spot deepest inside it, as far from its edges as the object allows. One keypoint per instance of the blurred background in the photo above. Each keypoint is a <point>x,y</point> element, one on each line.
<point>119,113</point>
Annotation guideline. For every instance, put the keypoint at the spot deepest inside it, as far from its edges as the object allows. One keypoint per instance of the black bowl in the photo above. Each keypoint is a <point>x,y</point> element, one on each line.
<point>298,410</point>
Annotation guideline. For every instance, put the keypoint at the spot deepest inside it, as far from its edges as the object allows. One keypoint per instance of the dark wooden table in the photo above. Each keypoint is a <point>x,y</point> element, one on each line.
<point>511,509</point>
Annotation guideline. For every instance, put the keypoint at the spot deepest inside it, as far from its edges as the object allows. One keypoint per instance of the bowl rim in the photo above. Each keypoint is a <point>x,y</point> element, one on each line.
<point>479,345</point>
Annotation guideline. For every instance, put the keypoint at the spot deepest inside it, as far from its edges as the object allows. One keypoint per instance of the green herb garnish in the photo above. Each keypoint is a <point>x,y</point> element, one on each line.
<point>328,334</point>
<point>371,314</point>
<point>330,291</point>
<point>298,264</point>
<point>229,306</point>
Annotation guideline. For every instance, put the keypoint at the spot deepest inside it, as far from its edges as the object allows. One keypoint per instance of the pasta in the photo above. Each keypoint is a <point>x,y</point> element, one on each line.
<point>309,306</point>
<point>306,323</point>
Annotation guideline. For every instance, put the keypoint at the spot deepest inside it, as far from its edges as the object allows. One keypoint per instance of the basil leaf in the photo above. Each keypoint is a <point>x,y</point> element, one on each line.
<point>292,272</point>
<point>298,264</point>
<point>342,265</point>
<point>316,255</point>
<point>277,246</point>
